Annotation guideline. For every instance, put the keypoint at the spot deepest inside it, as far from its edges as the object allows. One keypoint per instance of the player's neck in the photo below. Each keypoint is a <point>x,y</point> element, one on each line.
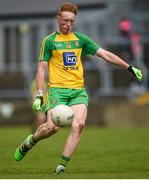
<point>64,34</point>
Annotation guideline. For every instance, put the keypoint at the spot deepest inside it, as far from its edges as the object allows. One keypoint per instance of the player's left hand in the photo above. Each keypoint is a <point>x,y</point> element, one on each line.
<point>136,72</point>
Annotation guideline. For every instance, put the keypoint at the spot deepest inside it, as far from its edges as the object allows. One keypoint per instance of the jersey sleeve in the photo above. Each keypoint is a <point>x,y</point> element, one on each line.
<point>45,50</point>
<point>89,46</point>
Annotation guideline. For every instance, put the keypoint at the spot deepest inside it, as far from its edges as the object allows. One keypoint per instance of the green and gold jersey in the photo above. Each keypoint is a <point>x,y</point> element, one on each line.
<point>63,54</point>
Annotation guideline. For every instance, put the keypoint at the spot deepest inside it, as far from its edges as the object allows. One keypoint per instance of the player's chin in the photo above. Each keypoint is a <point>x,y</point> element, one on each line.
<point>67,31</point>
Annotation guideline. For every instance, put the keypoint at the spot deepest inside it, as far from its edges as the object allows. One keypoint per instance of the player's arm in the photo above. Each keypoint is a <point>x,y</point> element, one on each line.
<point>114,59</point>
<point>42,65</point>
<point>40,77</point>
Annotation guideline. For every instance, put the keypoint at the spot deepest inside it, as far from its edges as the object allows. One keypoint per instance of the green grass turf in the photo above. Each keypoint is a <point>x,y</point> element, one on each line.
<point>102,153</point>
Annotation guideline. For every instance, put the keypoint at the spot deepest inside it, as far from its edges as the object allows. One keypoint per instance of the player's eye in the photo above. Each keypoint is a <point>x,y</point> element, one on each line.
<point>67,21</point>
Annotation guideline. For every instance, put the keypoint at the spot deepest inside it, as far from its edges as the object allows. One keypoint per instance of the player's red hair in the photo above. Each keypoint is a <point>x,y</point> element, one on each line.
<point>68,7</point>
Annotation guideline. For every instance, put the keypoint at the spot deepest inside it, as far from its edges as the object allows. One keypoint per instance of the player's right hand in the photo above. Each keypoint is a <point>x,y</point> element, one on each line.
<point>37,103</point>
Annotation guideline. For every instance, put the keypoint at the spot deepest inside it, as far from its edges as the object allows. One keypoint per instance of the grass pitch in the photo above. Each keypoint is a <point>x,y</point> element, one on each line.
<point>102,153</point>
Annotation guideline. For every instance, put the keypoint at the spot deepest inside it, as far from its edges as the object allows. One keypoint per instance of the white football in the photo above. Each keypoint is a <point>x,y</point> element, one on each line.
<point>62,115</point>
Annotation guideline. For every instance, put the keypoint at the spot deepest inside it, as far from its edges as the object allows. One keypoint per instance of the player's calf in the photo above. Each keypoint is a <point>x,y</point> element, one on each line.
<point>45,131</point>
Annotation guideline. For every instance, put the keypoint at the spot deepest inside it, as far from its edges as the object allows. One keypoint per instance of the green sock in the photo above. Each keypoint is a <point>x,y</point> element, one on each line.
<point>64,160</point>
<point>32,140</point>
<point>28,144</point>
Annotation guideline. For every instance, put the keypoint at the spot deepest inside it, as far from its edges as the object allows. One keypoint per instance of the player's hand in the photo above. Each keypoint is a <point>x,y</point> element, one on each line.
<point>136,72</point>
<point>38,101</point>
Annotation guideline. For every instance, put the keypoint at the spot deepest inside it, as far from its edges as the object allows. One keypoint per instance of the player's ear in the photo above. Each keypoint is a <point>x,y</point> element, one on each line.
<point>58,18</point>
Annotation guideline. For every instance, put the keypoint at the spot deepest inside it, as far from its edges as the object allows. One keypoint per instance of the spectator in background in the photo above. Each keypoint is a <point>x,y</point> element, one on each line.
<point>134,42</point>
<point>125,28</point>
<point>136,47</point>
<point>133,50</point>
<point>138,88</point>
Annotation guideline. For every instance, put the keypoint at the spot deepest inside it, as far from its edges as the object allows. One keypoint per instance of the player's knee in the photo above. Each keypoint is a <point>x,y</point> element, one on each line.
<point>81,126</point>
<point>48,130</point>
<point>52,129</point>
<point>55,129</point>
<point>78,127</point>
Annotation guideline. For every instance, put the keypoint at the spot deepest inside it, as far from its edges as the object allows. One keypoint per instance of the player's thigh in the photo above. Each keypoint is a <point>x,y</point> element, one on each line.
<point>57,96</point>
<point>80,114</point>
<point>41,117</point>
<point>79,96</point>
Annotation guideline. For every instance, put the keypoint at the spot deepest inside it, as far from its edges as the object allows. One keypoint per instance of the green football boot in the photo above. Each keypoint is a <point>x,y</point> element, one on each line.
<point>19,155</point>
<point>23,148</point>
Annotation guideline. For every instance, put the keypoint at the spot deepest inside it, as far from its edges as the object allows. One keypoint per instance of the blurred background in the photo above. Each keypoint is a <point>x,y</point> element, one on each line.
<point>120,26</point>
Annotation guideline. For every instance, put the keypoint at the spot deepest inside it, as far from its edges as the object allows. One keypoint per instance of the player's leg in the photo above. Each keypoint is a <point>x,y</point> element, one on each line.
<point>80,114</point>
<point>39,118</point>
<point>44,131</point>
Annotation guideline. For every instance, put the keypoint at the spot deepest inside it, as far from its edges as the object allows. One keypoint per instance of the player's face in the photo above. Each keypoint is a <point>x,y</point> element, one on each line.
<point>65,21</point>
